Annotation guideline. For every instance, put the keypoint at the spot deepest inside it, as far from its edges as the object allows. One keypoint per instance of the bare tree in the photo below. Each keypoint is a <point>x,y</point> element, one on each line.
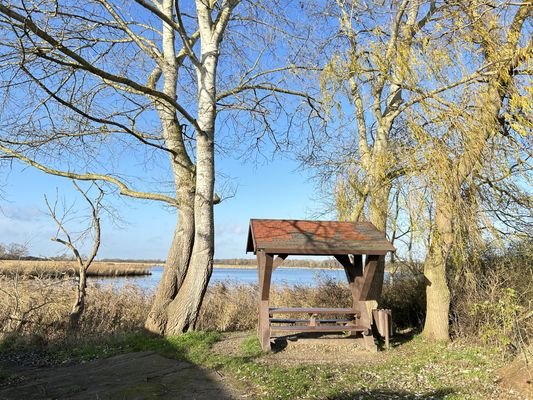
<point>66,240</point>
<point>90,81</point>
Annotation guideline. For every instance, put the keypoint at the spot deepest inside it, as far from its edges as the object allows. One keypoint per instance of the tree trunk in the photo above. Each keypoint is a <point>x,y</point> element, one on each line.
<point>184,310</point>
<point>436,326</point>
<point>176,268</point>
<point>190,261</point>
<point>379,200</point>
<point>79,304</point>
<point>380,186</point>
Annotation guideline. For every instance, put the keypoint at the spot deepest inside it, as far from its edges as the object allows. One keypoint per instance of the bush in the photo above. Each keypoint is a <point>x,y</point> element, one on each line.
<point>406,298</point>
<point>496,306</point>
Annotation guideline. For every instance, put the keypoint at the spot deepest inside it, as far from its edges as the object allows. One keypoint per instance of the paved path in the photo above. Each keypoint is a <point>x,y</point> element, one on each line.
<point>132,376</point>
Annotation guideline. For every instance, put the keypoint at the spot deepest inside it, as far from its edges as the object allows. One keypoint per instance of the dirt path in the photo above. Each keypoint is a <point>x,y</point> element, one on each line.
<point>142,375</point>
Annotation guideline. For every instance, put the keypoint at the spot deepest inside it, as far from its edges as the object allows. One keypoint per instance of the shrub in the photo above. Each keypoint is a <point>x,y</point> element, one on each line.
<point>406,298</point>
<point>495,306</point>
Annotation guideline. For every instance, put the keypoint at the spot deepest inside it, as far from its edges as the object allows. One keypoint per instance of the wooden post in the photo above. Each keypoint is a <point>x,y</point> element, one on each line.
<point>265,263</point>
<point>372,283</point>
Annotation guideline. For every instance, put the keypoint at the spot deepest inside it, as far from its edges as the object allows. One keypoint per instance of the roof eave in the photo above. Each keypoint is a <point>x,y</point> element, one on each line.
<point>323,252</point>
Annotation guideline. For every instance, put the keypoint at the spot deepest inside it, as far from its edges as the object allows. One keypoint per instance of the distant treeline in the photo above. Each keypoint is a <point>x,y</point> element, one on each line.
<point>13,251</point>
<point>330,263</point>
<point>133,260</point>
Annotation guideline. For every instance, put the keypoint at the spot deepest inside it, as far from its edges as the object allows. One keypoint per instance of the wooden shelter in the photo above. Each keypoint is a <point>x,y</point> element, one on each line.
<point>272,241</point>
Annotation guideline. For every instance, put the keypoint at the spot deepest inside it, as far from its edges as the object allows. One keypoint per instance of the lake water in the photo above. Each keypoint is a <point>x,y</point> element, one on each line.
<point>280,276</point>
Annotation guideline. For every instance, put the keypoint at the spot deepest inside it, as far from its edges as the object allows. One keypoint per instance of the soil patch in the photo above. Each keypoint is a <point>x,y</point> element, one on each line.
<point>141,375</point>
<point>299,350</point>
<point>517,377</point>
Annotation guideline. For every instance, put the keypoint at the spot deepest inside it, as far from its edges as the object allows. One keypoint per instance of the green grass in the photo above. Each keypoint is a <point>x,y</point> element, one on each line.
<point>414,370</point>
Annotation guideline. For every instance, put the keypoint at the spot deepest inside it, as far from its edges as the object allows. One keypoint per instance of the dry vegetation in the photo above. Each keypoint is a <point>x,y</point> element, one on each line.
<point>494,308</point>
<point>39,308</point>
<point>233,307</point>
<point>56,269</point>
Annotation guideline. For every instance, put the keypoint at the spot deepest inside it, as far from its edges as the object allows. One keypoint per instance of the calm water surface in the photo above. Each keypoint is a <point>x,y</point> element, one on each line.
<point>280,276</point>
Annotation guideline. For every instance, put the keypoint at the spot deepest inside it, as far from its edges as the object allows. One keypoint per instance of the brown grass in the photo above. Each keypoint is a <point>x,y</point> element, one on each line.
<point>40,307</point>
<point>56,269</point>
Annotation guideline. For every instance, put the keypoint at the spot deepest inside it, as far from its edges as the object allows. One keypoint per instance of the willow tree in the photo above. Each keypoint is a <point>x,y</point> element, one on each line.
<point>408,67</point>
<point>381,64</point>
<point>465,136</point>
<point>91,88</point>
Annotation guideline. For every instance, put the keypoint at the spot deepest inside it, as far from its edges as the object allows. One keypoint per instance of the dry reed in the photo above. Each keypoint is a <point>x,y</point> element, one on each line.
<point>40,307</point>
<point>230,306</point>
<point>56,269</point>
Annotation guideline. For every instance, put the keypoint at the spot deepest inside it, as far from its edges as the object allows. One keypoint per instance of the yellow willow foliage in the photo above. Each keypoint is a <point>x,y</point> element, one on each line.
<point>520,113</point>
<point>330,80</point>
<point>349,197</point>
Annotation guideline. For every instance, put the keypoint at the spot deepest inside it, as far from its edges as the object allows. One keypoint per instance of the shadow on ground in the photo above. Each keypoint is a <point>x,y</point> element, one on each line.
<point>140,375</point>
<point>388,394</point>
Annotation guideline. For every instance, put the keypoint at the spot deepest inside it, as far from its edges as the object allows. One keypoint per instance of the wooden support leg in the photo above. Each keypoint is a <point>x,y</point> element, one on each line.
<point>386,327</point>
<point>264,325</point>
<point>265,262</point>
<point>369,342</point>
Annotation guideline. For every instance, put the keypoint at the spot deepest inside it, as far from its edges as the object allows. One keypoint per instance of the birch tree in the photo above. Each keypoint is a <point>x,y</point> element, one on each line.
<point>88,83</point>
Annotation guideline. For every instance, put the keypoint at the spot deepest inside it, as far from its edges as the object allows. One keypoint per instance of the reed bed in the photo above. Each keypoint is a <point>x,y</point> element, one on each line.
<point>39,307</point>
<point>57,269</point>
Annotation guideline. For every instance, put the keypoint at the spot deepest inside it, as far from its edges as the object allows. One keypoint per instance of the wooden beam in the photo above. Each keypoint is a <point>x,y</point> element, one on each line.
<point>321,251</point>
<point>372,283</point>
<point>279,260</point>
<point>353,270</point>
<point>264,263</point>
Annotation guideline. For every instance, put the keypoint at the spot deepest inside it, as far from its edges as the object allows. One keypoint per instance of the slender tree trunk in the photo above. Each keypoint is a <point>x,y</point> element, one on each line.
<point>79,303</point>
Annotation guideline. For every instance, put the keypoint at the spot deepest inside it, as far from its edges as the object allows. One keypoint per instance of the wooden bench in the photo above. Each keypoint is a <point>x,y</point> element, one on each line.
<point>315,324</point>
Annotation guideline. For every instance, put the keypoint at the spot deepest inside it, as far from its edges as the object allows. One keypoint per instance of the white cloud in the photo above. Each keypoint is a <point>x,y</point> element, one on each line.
<point>22,213</point>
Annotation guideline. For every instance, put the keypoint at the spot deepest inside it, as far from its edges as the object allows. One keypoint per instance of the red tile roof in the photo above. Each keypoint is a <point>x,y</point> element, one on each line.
<point>281,236</point>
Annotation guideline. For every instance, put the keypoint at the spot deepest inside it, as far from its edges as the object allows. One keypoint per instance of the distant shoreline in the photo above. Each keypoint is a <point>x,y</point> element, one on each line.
<point>227,266</point>
<point>231,266</point>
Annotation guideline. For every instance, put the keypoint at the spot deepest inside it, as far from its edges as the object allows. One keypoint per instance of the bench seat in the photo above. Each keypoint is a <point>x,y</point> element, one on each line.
<point>312,310</point>
<point>318,328</point>
<point>296,321</point>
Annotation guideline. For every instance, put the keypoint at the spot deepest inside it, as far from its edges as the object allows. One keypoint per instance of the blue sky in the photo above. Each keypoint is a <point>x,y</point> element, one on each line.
<point>274,189</point>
